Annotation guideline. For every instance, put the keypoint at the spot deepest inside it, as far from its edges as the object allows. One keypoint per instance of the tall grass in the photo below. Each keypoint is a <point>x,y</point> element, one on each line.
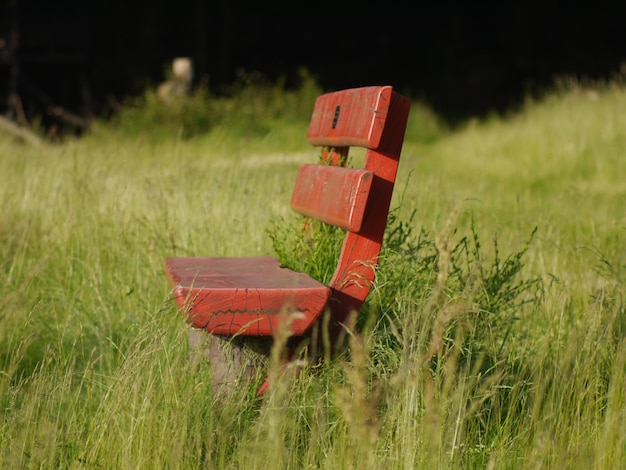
<point>494,337</point>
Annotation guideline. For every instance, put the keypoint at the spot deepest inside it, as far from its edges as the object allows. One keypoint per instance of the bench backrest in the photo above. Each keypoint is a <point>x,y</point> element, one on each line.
<point>357,200</point>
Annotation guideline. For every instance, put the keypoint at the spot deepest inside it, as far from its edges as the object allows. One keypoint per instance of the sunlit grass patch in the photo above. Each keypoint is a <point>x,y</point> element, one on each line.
<point>494,336</point>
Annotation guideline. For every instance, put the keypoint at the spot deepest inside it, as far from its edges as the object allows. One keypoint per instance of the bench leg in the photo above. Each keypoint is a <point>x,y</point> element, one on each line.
<point>235,362</point>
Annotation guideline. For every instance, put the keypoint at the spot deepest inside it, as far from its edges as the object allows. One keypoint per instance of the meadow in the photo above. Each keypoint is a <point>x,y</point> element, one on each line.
<point>495,336</point>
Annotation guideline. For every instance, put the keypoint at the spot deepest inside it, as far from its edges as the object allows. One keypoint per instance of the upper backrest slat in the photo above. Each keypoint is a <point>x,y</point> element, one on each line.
<point>348,118</point>
<point>335,195</point>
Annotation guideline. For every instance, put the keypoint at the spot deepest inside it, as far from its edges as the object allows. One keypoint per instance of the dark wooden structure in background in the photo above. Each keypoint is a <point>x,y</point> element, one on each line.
<point>462,59</point>
<point>43,66</point>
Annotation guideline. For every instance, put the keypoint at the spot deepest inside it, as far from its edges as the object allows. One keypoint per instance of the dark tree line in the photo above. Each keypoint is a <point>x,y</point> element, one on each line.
<point>463,58</point>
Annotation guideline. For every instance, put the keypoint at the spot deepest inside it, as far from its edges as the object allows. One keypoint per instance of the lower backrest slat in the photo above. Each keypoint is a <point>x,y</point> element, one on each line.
<point>334,195</point>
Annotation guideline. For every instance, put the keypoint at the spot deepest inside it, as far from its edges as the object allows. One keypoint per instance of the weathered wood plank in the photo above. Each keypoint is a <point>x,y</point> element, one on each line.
<point>350,118</point>
<point>331,194</point>
<point>245,296</point>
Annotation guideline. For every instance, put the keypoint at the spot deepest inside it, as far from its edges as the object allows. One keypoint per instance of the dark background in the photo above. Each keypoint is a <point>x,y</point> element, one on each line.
<point>462,58</point>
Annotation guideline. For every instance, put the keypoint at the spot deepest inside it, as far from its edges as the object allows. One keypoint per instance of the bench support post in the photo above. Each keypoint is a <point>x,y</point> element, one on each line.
<point>233,361</point>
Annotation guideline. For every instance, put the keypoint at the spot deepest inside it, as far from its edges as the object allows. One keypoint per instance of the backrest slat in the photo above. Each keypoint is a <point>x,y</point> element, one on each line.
<point>335,195</point>
<point>350,118</point>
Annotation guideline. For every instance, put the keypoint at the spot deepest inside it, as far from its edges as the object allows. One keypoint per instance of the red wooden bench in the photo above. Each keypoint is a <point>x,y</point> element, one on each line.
<point>248,296</point>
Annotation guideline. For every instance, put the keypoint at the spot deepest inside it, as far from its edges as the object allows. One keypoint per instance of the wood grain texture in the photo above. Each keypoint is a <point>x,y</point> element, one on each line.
<point>250,296</point>
<point>348,118</point>
<point>334,195</point>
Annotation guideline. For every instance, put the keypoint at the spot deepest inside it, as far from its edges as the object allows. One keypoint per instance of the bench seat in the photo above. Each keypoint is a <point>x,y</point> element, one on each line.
<point>248,296</point>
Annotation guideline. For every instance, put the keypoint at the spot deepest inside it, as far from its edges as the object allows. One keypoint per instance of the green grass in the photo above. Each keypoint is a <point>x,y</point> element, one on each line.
<point>494,337</point>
